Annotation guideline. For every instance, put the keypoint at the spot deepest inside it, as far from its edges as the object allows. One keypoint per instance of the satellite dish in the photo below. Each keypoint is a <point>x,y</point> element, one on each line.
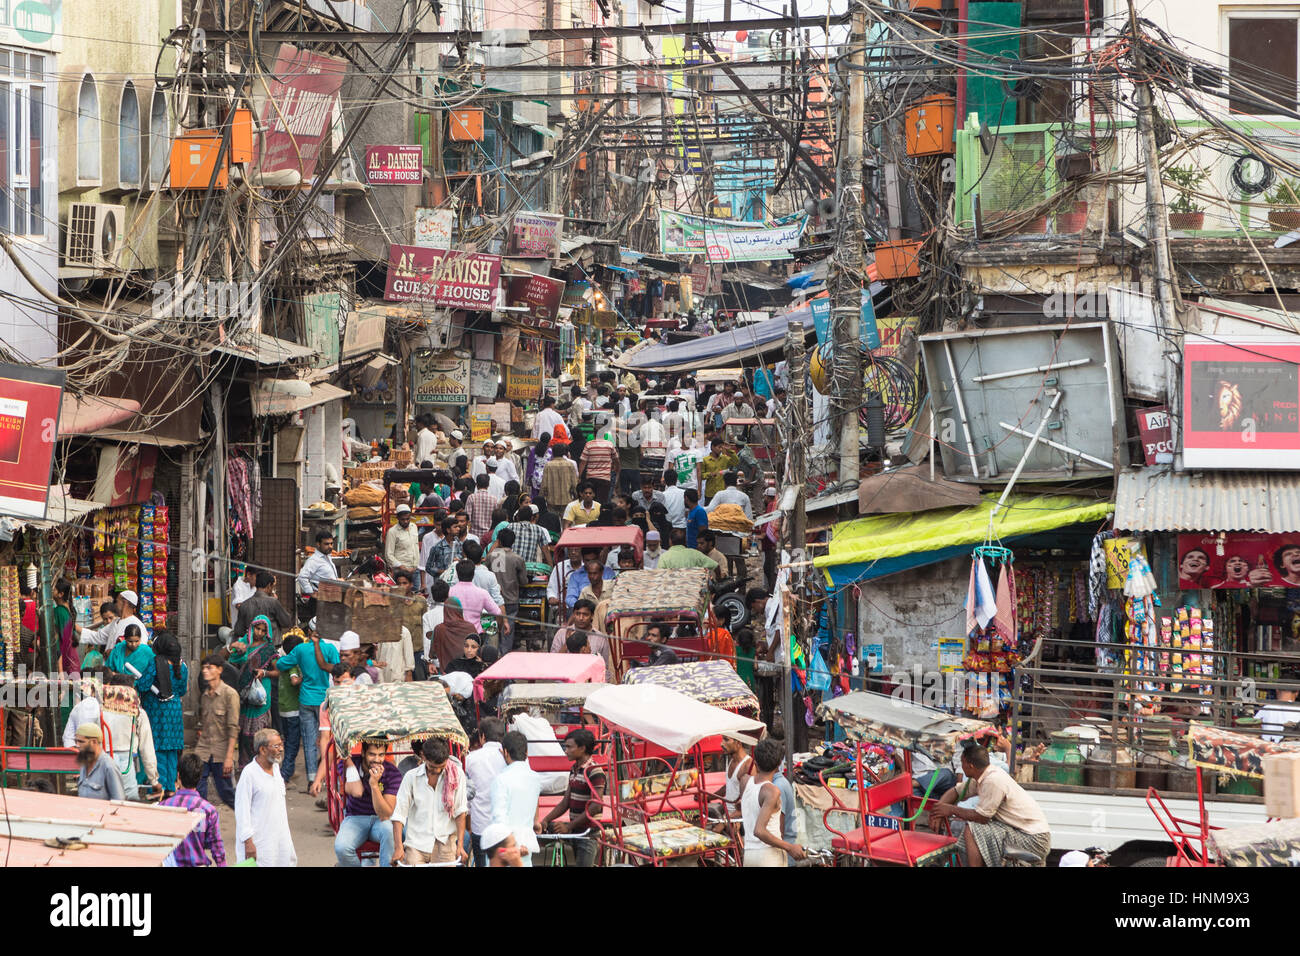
<point>810,206</point>
<point>828,208</point>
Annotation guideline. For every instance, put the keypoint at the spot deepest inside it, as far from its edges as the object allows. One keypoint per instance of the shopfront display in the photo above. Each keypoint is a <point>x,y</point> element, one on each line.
<point>131,546</point>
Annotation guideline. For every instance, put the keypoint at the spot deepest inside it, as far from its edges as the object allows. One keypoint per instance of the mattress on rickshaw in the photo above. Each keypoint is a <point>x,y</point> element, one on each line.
<point>393,712</point>
<point>1235,753</point>
<point>879,718</point>
<point>548,695</point>
<point>712,682</point>
<point>1275,843</point>
<point>659,591</point>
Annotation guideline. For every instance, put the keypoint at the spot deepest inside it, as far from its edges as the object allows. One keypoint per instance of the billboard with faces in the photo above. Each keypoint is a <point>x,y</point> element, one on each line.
<point>1238,560</point>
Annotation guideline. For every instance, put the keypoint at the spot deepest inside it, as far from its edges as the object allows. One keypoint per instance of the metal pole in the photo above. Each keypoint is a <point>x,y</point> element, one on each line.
<point>797,439</point>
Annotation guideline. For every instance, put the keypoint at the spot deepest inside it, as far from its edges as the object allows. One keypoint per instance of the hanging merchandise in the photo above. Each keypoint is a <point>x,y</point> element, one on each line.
<point>992,634</point>
<point>244,486</point>
<point>10,617</point>
<point>1097,576</point>
<point>131,550</point>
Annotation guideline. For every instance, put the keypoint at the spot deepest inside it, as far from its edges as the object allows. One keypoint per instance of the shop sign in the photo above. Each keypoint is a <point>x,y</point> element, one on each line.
<point>524,377</point>
<point>535,235</point>
<point>1157,436</point>
<point>540,294</point>
<point>1119,554</point>
<point>394,165</point>
<point>1238,560</point>
<point>299,109</point>
<point>30,400</point>
<point>440,378</point>
<point>453,280</point>
<point>1242,403</point>
<point>483,379</point>
<point>433,227</point>
<point>726,241</point>
<point>480,425</point>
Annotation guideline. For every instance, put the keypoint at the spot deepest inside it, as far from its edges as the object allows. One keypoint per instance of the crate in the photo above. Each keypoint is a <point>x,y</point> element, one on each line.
<point>899,259</point>
<point>929,125</point>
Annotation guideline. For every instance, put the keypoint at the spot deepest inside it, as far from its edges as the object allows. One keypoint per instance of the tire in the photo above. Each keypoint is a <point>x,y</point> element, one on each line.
<point>733,605</point>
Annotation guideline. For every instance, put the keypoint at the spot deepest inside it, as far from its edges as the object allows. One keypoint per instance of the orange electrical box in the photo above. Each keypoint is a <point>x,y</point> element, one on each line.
<point>241,136</point>
<point>194,156</point>
<point>466,126</point>
<point>899,259</point>
<point>929,124</point>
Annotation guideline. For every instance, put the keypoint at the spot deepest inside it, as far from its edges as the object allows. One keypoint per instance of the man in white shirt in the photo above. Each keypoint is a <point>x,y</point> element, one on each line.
<point>730,494</point>
<point>560,574</point>
<point>674,499</point>
<point>431,537</point>
<point>653,552</point>
<point>109,634</point>
<point>241,591</point>
<point>131,736</point>
<point>261,814</point>
<point>515,792</point>
<point>423,830</point>
<point>481,767</point>
<point>547,418</point>
<point>318,566</point>
<point>432,618</point>
<point>426,442</point>
<point>402,542</point>
<point>507,465</point>
<point>1274,717</point>
<point>496,483</point>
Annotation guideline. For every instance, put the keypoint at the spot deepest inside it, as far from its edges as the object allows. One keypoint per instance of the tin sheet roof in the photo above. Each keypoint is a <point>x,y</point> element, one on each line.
<point>1152,499</point>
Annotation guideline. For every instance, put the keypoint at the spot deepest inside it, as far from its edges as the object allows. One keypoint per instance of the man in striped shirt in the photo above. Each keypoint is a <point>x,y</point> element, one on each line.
<point>599,466</point>
<point>202,846</point>
<point>532,541</point>
<point>479,507</point>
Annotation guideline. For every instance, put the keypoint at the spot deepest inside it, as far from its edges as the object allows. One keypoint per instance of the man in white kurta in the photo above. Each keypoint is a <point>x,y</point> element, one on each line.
<point>514,793</point>
<point>261,814</point>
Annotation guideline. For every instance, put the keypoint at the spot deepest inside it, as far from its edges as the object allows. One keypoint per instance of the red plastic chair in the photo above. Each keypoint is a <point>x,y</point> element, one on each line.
<point>1191,846</point>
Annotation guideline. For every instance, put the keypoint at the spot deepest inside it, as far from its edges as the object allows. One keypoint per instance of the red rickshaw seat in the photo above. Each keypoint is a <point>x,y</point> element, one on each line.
<point>909,848</point>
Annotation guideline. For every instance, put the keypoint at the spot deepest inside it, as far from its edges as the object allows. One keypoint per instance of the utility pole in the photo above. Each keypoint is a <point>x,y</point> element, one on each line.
<point>847,266</point>
<point>1162,278</point>
<point>795,524</point>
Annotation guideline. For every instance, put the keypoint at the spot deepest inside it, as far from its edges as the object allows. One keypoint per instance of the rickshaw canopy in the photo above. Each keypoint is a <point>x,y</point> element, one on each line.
<point>710,682</point>
<point>605,537</point>
<point>547,694</point>
<point>866,716</point>
<point>392,713</point>
<point>562,668</point>
<point>666,718</point>
<point>660,591</point>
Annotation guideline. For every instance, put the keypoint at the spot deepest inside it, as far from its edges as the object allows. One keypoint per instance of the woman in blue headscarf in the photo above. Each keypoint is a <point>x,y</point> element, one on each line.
<point>251,656</point>
<point>161,687</point>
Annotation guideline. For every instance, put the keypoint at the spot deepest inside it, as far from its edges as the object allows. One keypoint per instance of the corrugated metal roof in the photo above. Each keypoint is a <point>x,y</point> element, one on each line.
<point>1152,499</point>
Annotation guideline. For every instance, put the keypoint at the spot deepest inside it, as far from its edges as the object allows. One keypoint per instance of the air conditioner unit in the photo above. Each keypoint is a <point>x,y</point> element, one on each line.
<point>94,236</point>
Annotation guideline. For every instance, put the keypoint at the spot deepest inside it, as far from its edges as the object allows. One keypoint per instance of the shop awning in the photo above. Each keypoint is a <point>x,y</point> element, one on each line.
<point>725,348</point>
<point>62,510</point>
<point>87,414</point>
<point>267,402</point>
<point>910,489</point>
<point>874,547</point>
<point>266,349</point>
<point>1152,499</point>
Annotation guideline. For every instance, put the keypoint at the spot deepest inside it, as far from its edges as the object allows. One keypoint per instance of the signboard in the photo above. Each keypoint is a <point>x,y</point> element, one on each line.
<point>480,426</point>
<point>873,656</point>
<point>31,23</point>
<point>433,227</point>
<point>394,165</point>
<point>364,332</point>
<point>320,317</point>
<point>724,241</point>
<point>454,280</point>
<point>483,379</point>
<point>440,378</point>
<point>524,377</point>
<point>500,414</point>
<point>30,399</point>
<point>535,235</point>
<point>1157,437</point>
<point>541,294</point>
<point>1238,560</point>
<point>1241,403</point>
<point>299,109</point>
<point>868,330</point>
<point>951,652</point>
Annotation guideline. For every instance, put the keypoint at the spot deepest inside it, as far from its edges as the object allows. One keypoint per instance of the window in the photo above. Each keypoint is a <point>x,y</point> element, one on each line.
<point>128,139</point>
<point>22,143</point>
<point>160,137</point>
<point>88,131</point>
<point>1262,62</point>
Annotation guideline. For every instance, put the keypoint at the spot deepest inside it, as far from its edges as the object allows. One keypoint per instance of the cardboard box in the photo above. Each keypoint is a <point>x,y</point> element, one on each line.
<point>1282,785</point>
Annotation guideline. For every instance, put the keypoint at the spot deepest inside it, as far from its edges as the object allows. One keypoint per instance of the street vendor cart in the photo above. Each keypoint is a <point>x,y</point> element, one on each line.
<point>657,795</point>
<point>872,722</point>
<point>394,714</point>
<point>674,598</point>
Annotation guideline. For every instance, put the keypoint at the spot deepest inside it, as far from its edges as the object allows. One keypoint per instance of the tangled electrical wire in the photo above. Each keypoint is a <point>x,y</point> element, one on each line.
<point>896,384</point>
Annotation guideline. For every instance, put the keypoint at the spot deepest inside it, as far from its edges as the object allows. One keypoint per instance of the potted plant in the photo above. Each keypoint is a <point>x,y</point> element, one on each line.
<point>1285,200</point>
<point>1185,212</point>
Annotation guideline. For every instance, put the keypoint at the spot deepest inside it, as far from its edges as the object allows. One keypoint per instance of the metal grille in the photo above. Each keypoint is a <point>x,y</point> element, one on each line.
<point>1020,174</point>
<point>81,233</point>
<point>275,536</point>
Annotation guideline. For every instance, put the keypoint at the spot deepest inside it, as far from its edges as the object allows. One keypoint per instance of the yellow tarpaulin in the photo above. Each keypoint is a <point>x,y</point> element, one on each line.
<point>891,536</point>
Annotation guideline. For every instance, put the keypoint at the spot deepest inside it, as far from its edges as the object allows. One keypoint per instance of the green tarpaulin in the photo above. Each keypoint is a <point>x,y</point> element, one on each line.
<point>891,536</point>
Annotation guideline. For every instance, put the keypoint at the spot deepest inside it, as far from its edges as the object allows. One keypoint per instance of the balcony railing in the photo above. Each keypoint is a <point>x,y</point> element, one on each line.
<point>1014,175</point>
